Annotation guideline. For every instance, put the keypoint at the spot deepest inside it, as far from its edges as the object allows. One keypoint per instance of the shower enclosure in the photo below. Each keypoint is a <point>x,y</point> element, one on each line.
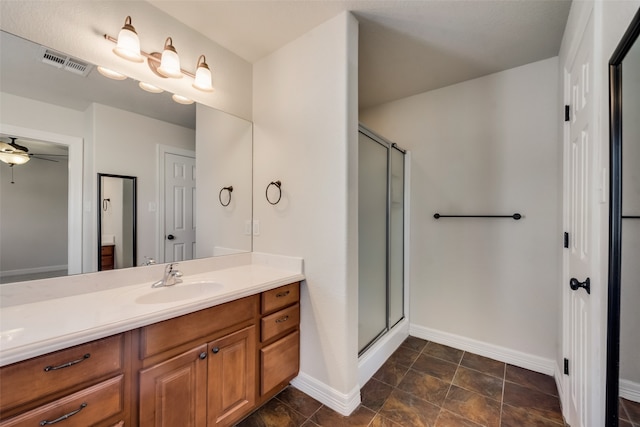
<point>381,184</point>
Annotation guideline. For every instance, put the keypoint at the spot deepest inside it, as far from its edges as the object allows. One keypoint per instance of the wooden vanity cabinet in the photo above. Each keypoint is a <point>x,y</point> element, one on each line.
<point>200,369</point>
<point>89,384</point>
<point>279,347</point>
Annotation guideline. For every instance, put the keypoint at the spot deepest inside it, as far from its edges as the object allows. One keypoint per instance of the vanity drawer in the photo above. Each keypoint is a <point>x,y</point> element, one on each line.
<point>88,407</point>
<point>279,322</point>
<point>279,362</point>
<point>41,376</point>
<point>280,297</point>
<point>172,333</point>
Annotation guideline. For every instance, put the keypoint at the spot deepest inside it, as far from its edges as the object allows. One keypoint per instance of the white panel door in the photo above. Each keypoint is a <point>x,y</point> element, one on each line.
<point>179,200</point>
<point>579,194</point>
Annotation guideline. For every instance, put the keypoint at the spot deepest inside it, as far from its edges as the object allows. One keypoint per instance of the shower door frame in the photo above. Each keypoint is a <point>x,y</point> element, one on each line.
<point>391,146</point>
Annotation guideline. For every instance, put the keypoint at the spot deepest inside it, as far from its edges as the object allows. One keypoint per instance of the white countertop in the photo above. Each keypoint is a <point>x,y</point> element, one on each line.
<point>35,328</point>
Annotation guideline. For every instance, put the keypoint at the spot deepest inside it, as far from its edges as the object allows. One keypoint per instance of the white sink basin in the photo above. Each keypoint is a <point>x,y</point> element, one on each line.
<point>179,292</point>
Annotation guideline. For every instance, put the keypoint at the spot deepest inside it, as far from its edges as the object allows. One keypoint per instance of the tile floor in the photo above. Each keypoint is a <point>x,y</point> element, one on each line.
<point>428,384</point>
<point>629,413</point>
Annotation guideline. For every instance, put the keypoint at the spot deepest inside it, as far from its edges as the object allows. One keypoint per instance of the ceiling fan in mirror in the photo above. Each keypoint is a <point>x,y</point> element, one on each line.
<point>13,154</point>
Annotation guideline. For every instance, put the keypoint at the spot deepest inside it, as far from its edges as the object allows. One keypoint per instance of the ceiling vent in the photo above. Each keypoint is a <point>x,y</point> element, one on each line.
<point>65,62</point>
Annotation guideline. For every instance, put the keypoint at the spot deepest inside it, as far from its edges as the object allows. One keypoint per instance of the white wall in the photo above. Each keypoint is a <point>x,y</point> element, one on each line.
<point>124,143</point>
<point>33,217</point>
<point>224,144</point>
<point>305,134</point>
<point>485,146</point>
<point>77,28</point>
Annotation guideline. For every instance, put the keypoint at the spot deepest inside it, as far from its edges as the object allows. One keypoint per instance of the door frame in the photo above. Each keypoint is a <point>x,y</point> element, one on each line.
<point>162,150</point>
<point>615,219</point>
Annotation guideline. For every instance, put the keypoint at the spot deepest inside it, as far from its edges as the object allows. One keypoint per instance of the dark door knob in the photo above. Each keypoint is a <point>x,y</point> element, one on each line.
<point>575,284</point>
<point>171,237</point>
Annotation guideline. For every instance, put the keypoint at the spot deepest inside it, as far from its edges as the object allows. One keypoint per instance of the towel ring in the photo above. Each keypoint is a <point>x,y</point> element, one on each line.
<point>229,189</point>
<point>278,185</point>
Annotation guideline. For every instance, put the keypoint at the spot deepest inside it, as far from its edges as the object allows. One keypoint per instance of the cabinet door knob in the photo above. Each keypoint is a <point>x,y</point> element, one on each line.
<point>215,350</point>
<point>203,355</point>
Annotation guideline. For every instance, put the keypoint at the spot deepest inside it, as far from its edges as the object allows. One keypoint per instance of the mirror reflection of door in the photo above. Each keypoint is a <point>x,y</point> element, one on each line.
<point>630,267</point>
<point>180,200</point>
<point>117,221</point>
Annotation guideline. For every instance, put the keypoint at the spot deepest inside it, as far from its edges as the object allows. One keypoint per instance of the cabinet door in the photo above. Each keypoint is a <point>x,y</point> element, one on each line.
<point>232,373</point>
<point>174,392</point>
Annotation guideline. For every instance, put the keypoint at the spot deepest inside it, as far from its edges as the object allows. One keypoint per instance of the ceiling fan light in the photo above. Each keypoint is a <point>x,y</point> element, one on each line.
<point>182,99</point>
<point>17,157</point>
<point>170,61</point>
<point>128,45</point>
<point>149,87</point>
<point>202,80</point>
<point>109,73</point>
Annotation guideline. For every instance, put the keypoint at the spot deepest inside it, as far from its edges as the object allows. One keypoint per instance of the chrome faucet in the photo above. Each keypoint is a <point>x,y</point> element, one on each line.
<point>171,277</point>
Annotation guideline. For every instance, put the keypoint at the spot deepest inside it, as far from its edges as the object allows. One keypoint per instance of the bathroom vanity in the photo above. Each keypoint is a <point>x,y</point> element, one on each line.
<point>205,352</point>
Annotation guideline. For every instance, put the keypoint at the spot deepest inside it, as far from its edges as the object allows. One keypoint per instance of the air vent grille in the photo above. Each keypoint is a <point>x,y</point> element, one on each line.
<point>59,60</point>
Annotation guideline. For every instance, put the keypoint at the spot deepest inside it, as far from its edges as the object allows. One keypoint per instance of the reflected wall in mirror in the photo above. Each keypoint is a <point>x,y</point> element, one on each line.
<point>623,362</point>
<point>116,221</point>
<point>124,130</point>
<point>33,213</point>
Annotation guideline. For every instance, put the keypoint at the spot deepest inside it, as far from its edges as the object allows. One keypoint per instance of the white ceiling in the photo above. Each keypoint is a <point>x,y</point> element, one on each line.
<point>405,47</point>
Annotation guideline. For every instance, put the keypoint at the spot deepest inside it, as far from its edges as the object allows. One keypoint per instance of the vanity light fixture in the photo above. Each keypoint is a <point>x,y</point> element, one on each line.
<point>128,43</point>
<point>170,61</point>
<point>202,81</point>
<point>107,72</point>
<point>181,99</point>
<point>149,87</point>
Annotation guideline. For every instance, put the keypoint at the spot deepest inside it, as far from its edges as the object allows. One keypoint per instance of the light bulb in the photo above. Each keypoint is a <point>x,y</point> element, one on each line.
<point>128,46</point>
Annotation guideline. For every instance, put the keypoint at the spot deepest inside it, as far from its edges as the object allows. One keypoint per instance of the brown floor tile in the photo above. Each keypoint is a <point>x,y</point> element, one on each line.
<point>534,401</point>
<point>380,421</point>
<point>624,423</point>
<point>310,423</point>
<point>408,410</point>
<point>425,387</point>
<point>622,413</point>
<point>299,401</point>
<point>404,356</point>
<point>326,417</point>
<point>274,414</point>
<point>416,344</point>
<point>443,352</point>
<point>518,417</point>
<point>435,367</point>
<point>391,373</point>
<point>483,364</point>
<point>449,419</point>
<point>481,383</point>
<point>374,393</point>
<point>473,406</point>
<point>633,410</point>
<point>531,379</point>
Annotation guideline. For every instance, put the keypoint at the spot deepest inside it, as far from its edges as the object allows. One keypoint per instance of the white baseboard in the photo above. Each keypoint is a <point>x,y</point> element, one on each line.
<point>33,270</point>
<point>629,390</point>
<point>503,354</point>
<point>342,403</point>
<point>374,357</point>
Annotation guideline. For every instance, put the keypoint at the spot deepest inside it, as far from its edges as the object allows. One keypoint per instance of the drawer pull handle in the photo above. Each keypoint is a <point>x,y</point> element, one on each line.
<point>282,319</point>
<point>66,365</point>
<point>64,417</point>
<point>282,294</point>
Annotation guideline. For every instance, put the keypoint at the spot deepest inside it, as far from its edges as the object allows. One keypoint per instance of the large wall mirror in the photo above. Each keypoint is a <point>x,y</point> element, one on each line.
<point>623,351</point>
<point>78,124</point>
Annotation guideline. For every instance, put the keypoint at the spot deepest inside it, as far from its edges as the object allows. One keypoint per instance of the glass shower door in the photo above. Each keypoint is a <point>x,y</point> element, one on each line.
<point>372,240</point>
<point>396,237</point>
